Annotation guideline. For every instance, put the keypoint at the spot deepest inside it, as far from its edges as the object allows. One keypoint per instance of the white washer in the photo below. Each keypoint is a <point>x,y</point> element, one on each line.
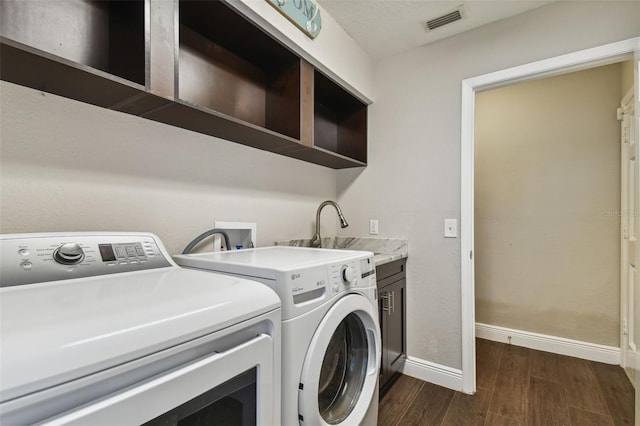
<point>330,332</point>
<point>106,329</point>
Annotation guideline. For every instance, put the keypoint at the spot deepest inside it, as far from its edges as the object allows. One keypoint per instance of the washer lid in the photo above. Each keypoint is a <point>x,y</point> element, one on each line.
<point>57,332</point>
<point>266,262</point>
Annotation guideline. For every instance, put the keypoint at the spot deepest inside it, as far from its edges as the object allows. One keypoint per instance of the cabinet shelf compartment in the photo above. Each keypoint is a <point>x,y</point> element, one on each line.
<point>324,157</point>
<point>202,120</point>
<point>229,66</point>
<point>38,70</point>
<point>103,35</point>
<point>340,120</point>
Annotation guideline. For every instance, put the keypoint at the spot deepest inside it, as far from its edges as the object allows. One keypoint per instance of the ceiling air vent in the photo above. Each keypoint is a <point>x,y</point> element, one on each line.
<point>453,16</point>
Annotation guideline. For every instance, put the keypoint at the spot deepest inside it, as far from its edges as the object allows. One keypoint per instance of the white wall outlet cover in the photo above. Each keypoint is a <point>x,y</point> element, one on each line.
<point>450,228</point>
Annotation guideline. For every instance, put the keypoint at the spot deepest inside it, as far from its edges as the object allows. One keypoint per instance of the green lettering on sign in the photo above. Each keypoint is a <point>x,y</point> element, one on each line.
<point>305,14</point>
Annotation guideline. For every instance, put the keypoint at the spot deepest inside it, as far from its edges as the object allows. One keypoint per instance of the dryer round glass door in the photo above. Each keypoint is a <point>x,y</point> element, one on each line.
<point>341,367</point>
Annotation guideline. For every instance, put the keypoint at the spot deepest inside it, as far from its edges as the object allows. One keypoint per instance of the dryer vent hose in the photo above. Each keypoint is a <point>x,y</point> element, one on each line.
<point>204,235</point>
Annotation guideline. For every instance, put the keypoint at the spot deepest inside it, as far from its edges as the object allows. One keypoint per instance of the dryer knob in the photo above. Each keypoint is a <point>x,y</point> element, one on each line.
<point>69,254</point>
<point>348,274</point>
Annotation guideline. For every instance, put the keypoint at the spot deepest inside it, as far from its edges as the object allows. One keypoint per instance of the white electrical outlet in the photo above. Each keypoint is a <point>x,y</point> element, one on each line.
<point>450,228</point>
<point>373,227</point>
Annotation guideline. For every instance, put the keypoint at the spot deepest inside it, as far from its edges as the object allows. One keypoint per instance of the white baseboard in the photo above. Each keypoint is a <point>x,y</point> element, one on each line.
<point>431,372</point>
<point>544,342</point>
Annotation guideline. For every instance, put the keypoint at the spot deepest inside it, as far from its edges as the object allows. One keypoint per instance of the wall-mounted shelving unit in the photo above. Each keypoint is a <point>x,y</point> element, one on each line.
<point>215,73</point>
<point>92,52</point>
<point>340,120</point>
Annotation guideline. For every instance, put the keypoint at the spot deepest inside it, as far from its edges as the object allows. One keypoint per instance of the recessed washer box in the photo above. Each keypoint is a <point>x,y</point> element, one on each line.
<point>240,234</point>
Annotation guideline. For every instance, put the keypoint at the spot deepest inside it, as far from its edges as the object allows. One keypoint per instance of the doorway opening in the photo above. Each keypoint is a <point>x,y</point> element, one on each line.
<point>589,58</point>
<point>547,212</point>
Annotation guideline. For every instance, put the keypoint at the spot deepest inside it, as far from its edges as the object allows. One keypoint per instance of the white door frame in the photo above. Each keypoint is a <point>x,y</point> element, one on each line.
<point>576,61</point>
<point>626,332</point>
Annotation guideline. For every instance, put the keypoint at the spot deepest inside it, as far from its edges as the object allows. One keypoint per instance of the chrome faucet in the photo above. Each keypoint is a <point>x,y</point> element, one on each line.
<point>316,241</point>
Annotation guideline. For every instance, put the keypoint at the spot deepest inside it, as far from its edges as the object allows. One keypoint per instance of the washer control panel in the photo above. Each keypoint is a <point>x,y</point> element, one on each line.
<point>33,258</point>
<point>329,280</point>
<point>354,273</point>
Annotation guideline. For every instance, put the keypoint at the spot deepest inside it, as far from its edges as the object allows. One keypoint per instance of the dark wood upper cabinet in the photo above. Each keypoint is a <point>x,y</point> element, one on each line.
<point>340,120</point>
<point>85,50</point>
<point>207,69</point>
<point>229,65</point>
<point>105,35</point>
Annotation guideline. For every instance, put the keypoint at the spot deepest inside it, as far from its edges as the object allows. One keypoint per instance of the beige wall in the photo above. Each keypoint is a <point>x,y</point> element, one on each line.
<point>68,166</point>
<point>412,182</point>
<point>547,186</point>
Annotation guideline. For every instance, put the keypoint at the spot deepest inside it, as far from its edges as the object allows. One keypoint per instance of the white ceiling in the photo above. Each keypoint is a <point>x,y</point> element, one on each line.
<point>383,28</point>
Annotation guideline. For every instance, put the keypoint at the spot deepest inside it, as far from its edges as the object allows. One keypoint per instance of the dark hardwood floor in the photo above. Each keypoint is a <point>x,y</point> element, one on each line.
<point>517,387</point>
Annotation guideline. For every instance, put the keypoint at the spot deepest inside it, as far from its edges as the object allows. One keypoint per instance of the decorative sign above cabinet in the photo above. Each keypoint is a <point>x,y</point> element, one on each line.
<point>303,13</point>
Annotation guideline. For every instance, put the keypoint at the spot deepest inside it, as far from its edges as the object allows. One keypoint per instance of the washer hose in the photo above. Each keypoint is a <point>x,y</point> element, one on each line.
<point>204,235</point>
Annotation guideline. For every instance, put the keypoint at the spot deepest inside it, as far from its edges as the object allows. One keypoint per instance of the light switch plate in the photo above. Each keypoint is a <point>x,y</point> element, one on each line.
<point>450,228</point>
<point>373,227</point>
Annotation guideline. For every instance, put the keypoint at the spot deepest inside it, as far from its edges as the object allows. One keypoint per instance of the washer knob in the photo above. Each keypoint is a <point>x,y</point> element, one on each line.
<point>348,275</point>
<point>69,254</point>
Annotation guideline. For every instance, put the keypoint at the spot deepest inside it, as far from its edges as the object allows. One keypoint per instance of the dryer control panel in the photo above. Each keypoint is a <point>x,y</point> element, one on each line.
<point>36,258</point>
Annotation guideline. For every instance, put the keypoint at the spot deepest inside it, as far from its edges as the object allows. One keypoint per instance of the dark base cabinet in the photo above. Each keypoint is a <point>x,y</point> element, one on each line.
<point>392,306</point>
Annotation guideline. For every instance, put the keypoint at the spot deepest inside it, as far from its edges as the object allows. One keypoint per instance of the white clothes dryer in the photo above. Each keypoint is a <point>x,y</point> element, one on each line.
<point>105,329</point>
<point>330,333</point>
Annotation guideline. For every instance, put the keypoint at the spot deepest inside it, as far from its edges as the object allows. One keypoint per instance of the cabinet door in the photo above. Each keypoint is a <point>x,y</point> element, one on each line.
<point>382,311</point>
<point>395,325</point>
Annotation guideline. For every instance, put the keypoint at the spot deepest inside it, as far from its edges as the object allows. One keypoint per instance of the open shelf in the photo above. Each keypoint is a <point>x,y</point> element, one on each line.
<point>228,65</point>
<point>202,66</point>
<point>340,120</point>
<point>89,51</point>
<point>104,35</point>
<point>203,120</point>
